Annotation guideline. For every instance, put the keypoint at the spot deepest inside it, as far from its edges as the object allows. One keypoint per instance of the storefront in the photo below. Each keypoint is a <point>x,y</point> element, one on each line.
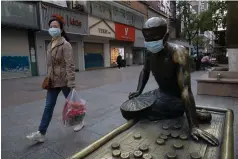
<point>138,48</point>
<point>125,36</point>
<point>18,35</point>
<point>96,46</point>
<point>76,26</point>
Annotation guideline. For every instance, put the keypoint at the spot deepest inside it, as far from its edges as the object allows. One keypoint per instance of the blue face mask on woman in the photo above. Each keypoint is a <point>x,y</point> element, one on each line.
<point>54,32</point>
<point>154,46</point>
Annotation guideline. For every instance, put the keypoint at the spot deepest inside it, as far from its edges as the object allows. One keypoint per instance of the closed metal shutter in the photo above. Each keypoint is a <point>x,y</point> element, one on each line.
<point>93,55</point>
<point>15,54</point>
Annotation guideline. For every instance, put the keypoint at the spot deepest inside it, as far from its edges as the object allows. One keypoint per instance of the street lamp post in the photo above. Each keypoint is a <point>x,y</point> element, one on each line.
<point>197,37</point>
<point>197,57</point>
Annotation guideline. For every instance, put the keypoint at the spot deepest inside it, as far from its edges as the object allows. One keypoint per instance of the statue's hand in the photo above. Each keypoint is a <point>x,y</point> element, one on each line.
<point>198,133</point>
<point>134,94</point>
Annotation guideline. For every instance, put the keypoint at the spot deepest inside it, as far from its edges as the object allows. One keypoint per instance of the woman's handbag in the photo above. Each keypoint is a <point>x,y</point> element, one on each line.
<point>46,83</point>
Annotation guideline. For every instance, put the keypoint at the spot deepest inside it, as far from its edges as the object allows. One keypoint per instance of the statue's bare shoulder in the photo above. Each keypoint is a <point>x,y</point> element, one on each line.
<point>179,53</point>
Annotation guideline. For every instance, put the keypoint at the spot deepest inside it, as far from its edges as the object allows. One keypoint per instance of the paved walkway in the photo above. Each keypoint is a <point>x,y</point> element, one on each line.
<point>29,89</point>
<point>103,114</point>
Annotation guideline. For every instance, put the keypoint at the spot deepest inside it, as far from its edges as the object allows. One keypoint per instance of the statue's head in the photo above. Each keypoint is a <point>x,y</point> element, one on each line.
<point>155,29</point>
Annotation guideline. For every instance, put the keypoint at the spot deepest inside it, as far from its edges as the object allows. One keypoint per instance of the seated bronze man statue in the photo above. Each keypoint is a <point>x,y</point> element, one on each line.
<point>169,64</point>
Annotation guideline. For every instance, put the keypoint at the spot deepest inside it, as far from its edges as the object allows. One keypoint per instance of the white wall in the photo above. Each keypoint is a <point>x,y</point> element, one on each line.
<point>81,56</point>
<point>107,55</point>
<point>233,59</point>
<point>41,37</point>
<point>14,42</point>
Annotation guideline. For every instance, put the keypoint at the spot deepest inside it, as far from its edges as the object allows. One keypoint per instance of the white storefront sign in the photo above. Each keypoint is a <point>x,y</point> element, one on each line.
<point>99,27</point>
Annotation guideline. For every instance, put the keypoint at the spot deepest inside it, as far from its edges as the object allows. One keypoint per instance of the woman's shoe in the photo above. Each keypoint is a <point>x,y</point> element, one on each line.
<point>36,136</point>
<point>79,127</point>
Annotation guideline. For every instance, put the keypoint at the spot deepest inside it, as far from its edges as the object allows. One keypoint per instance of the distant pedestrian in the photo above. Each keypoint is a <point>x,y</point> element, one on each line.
<point>60,74</point>
<point>119,61</point>
<point>206,61</point>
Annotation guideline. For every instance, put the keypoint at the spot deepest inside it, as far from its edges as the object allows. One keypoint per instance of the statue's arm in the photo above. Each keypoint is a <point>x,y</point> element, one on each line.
<point>181,57</point>
<point>144,74</point>
<point>143,79</point>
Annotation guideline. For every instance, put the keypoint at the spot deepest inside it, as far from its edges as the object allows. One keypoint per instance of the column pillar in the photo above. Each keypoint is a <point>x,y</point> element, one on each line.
<point>232,34</point>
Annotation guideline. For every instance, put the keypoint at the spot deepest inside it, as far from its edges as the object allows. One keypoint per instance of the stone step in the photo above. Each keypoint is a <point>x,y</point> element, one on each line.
<point>211,86</point>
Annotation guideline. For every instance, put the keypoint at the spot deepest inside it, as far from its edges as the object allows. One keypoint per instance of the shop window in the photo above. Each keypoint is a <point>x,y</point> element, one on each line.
<point>122,13</point>
<point>106,10</point>
<point>114,54</point>
<point>129,18</point>
<point>114,12</point>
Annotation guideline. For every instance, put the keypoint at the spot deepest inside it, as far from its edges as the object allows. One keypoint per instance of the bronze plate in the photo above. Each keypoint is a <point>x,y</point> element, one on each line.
<point>221,126</point>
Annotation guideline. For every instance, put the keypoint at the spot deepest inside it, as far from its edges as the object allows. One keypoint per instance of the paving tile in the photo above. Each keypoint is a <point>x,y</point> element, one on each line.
<point>15,141</point>
<point>44,153</point>
<point>103,116</point>
<point>73,143</point>
<point>8,155</point>
<point>108,124</point>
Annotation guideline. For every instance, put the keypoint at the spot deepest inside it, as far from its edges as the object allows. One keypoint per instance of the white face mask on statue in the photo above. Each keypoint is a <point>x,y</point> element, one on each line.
<point>154,46</point>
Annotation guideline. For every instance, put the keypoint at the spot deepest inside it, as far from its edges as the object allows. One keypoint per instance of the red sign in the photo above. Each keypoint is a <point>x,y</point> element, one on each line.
<point>75,22</point>
<point>124,32</point>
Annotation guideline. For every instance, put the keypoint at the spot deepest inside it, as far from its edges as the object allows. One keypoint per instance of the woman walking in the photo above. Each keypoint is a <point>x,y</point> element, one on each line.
<point>60,72</point>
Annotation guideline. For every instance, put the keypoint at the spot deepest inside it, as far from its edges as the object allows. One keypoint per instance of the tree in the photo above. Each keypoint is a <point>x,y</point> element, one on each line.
<point>214,17</point>
<point>200,41</point>
<point>189,19</point>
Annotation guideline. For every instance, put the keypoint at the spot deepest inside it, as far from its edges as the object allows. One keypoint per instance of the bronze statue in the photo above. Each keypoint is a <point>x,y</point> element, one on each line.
<point>169,64</point>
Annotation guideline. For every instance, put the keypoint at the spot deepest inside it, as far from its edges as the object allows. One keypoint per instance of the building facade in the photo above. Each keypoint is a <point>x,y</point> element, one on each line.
<point>123,43</point>
<point>96,45</point>
<point>19,24</point>
<point>164,9</point>
<point>98,33</point>
<point>140,15</point>
<point>76,27</point>
<point>129,15</point>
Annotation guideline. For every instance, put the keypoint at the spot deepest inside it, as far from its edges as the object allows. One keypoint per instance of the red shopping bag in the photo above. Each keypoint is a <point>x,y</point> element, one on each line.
<point>74,109</point>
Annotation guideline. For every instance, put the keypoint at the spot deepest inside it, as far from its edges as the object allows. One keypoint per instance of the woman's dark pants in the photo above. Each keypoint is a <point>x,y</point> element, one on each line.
<point>51,98</point>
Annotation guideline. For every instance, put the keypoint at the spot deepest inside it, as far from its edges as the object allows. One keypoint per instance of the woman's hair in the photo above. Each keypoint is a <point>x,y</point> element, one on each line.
<point>61,27</point>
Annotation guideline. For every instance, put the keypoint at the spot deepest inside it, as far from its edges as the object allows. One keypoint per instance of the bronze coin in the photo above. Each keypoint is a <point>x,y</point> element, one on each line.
<point>183,136</point>
<point>167,133</point>
<point>174,134</point>
<point>125,155</point>
<point>160,141</point>
<point>195,155</point>
<point>164,137</point>
<point>116,153</point>
<point>115,145</point>
<point>137,136</point>
<point>178,145</point>
<point>147,156</point>
<point>165,127</point>
<point>171,155</point>
<point>177,126</point>
<point>138,154</point>
<point>144,147</point>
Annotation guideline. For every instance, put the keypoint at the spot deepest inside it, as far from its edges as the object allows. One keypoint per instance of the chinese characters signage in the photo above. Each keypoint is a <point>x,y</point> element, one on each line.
<point>75,22</point>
